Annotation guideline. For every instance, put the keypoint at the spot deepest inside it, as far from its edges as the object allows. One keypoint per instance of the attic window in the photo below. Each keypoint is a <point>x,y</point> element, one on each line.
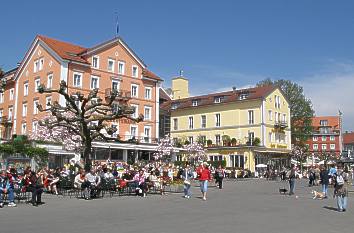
<point>195,103</point>
<point>174,106</point>
<point>218,99</point>
<point>243,96</point>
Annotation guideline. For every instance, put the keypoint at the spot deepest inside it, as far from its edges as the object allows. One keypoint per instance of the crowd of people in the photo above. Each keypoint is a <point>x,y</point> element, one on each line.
<point>118,175</point>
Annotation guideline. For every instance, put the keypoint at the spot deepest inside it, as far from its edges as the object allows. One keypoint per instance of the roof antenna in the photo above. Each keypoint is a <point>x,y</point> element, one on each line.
<point>117,24</point>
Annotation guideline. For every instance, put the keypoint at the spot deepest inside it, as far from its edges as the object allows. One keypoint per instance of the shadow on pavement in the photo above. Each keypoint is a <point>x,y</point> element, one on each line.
<point>330,208</point>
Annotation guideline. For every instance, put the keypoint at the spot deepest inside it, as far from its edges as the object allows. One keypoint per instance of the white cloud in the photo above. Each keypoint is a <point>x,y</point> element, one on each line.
<point>333,90</point>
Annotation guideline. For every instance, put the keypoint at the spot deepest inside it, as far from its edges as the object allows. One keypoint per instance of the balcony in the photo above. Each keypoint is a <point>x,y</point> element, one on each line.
<point>119,94</point>
<point>281,124</point>
<point>5,120</point>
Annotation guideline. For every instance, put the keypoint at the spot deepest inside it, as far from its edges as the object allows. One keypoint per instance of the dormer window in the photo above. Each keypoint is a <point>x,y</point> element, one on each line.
<point>195,103</point>
<point>243,96</point>
<point>218,99</point>
<point>174,106</point>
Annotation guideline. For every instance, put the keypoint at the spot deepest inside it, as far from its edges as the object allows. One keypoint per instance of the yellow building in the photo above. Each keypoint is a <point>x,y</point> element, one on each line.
<point>245,127</point>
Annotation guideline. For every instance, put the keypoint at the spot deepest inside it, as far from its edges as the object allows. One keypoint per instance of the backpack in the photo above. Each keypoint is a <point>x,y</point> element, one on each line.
<point>339,179</point>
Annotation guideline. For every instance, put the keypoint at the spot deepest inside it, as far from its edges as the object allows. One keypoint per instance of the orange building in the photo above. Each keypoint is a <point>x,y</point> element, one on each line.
<point>109,65</point>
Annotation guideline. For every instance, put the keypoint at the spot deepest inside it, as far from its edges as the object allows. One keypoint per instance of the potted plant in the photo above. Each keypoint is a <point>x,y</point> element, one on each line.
<point>256,141</point>
<point>209,142</point>
<point>226,140</point>
<point>233,141</point>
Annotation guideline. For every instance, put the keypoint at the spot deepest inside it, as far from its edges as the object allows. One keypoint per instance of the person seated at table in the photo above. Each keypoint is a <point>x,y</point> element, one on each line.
<point>36,186</point>
<point>107,174</point>
<point>95,182</point>
<point>155,181</point>
<point>139,178</point>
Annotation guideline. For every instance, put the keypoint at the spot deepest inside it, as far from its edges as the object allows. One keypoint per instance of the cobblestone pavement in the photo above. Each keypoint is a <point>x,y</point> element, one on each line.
<point>253,206</point>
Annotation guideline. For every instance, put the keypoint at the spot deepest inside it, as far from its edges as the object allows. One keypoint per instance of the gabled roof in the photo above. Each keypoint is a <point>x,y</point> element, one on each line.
<point>333,121</point>
<point>149,74</point>
<point>65,50</point>
<point>227,97</point>
<point>348,138</point>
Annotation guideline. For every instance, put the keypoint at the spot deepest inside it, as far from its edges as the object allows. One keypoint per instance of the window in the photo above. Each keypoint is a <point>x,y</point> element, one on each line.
<point>217,139</point>
<point>35,109</point>
<point>203,139</point>
<point>23,128</point>
<point>270,115</point>
<point>136,110</point>
<point>77,79</point>
<point>217,120</point>
<point>94,82</point>
<point>324,146</point>
<point>194,102</point>
<point>50,81</point>
<point>48,102</point>
<point>24,109</point>
<point>147,134</point>
<point>147,113</point>
<point>324,138</point>
<point>175,124</point>
<point>333,146</point>
<point>190,139</point>
<point>203,121</point>
<point>315,146</point>
<point>2,97</point>
<point>25,89</point>
<point>110,65</point>
<point>135,71</point>
<point>121,66</point>
<point>251,138</point>
<point>133,131</point>
<point>243,96</point>
<point>190,121</point>
<point>250,117</point>
<point>12,93</point>
<point>134,90</point>
<point>323,122</point>
<point>174,106</point>
<point>148,91</point>
<point>332,138</point>
<point>37,82</point>
<point>96,62</point>
<point>315,138</point>
<point>10,113</point>
<point>270,137</point>
<point>41,63</point>
<point>36,66</point>
<point>218,99</point>
<point>115,85</point>
<point>284,118</point>
<point>277,101</point>
<point>34,126</point>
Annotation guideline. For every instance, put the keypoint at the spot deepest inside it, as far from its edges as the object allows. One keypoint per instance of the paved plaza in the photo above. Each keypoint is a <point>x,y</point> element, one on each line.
<point>253,206</point>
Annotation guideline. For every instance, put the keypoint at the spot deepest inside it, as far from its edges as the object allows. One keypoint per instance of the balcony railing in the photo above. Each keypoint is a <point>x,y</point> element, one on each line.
<point>281,124</point>
<point>119,94</point>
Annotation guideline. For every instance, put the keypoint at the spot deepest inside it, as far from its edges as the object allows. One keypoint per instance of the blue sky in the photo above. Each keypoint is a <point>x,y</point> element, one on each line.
<point>218,44</point>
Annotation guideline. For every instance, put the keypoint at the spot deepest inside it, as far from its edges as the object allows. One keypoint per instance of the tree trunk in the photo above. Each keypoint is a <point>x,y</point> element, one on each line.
<point>87,154</point>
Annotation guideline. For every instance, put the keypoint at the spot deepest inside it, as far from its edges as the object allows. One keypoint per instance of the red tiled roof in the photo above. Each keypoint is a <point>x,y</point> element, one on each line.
<point>166,106</point>
<point>348,138</point>
<point>228,97</point>
<point>163,95</point>
<point>149,74</point>
<point>65,50</point>
<point>333,121</point>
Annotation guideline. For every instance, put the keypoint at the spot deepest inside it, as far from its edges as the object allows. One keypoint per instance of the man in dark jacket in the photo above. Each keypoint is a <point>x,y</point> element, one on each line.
<point>324,181</point>
<point>292,179</point>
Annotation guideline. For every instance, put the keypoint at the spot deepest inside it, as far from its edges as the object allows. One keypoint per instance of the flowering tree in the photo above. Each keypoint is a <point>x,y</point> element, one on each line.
<point>299,153</point>
<point>86,118</point>
<point>195,151</point>
<point>57,134</point>
<point>164,149</point>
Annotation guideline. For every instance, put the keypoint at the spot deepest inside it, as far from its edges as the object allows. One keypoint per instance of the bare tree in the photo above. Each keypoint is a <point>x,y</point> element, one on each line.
<point>87,117</point>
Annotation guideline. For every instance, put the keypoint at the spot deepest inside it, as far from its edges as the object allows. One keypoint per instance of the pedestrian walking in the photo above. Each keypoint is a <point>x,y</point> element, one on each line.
<point>204,176</point>
<point>292,179</point>
<point>187,175</point>
<point>219,176</point>
<point>324,181</point>
<point>341,190</point>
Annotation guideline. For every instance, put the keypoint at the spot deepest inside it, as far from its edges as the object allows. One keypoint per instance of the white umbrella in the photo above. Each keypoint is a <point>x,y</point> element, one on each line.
<point>261,165</point>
